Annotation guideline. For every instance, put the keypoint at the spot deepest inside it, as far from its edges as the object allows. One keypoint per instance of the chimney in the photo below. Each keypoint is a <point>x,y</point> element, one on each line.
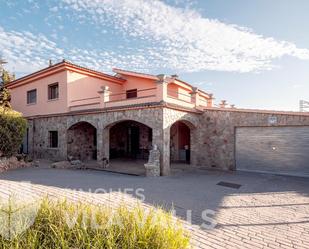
<point>50,63</point>
<point>162,77</point>
<point>223,104</point>
<point>175,76</point>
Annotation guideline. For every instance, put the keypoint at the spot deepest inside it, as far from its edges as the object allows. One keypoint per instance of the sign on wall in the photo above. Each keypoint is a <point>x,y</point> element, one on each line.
<point>272,120</point>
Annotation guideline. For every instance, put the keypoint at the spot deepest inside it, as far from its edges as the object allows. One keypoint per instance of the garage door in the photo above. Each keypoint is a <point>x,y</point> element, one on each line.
<point>273,149</point>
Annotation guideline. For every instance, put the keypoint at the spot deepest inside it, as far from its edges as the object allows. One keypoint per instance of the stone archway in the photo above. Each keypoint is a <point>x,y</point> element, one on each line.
<point>180,142</point>
<point>82,141</point>
<point>126,146</point>
<point>130,139</point>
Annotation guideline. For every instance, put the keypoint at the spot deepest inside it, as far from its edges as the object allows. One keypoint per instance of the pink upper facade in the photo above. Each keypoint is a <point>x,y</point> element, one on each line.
<point>65,87</point>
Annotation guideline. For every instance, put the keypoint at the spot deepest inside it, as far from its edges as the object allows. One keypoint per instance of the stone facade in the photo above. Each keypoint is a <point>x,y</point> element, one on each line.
<point>216,138</point>
<point>102,121</point>
<point>212,132</point>
<point>39,137</point>
<point>153,165</point>
<point>82,142</point>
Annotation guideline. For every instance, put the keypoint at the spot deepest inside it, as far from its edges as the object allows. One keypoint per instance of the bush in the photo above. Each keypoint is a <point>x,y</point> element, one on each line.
<point>12,130</point>
<point>120,227</point>
<point>9,163</point>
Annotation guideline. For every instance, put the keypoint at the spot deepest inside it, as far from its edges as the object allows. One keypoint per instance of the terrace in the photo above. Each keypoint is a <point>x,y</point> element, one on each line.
<point>76,88</point>
<point>172,93</point>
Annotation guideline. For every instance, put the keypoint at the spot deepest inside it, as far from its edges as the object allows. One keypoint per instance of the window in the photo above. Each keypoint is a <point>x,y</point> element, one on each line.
<point>31,97</point>
<point>53,91</point>
<point>53,139</point>
<point>131,93</point>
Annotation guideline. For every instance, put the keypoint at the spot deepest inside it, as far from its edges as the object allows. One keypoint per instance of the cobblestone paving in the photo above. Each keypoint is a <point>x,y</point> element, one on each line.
<point>266,212</point>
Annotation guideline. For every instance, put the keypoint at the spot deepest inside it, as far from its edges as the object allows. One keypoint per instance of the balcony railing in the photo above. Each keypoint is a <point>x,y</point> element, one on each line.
<point>183,99</point>
<point>122,98</point>
<point>85,103</point>
<point>203,102</point>
<point>109,99</point>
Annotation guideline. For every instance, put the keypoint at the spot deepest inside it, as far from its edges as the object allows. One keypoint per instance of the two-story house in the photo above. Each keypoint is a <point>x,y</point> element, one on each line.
<point>75,112</point>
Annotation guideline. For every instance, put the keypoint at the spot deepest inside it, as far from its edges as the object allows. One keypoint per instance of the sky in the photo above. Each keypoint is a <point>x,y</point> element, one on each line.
<point>254,54</point>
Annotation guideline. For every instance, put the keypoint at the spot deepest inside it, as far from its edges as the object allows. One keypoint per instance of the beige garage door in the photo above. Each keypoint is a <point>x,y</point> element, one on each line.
<point>273,149</point>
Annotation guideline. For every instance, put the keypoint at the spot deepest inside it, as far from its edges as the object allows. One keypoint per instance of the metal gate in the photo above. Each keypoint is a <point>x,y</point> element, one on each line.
<point>273,149</point>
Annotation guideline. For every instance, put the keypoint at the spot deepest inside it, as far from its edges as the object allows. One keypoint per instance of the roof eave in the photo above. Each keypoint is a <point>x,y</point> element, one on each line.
<point>135,74</point>
<point>64,65</point>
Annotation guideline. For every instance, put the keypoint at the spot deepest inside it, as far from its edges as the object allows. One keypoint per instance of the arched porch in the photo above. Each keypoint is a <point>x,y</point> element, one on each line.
<point>82,141</point>
<point>182,142</point>
<point>126,146</point>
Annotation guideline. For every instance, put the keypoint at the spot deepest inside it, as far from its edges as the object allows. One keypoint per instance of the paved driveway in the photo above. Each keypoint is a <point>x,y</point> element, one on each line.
<point>265,212</point>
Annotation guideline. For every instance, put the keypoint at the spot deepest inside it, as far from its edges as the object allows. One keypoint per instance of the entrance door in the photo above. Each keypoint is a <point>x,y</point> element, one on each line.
<point>133,141</point>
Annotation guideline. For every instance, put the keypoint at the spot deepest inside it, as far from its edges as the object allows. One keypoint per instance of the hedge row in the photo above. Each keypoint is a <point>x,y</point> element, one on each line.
<point>12,130</point>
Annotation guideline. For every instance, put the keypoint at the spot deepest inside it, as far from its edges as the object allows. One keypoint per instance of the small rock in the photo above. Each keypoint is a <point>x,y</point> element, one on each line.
<point>105,163</point>
<point>78,164</point>
<point>61,165</point>
<point>12,163</point>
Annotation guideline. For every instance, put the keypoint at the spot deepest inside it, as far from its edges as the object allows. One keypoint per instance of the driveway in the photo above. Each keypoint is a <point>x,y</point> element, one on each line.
<point>266,211</point>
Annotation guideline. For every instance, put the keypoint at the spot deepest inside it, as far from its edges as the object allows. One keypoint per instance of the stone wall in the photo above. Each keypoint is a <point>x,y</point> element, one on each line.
<point>192,120</point>
<point>216,133</point>
<point>212,132</point>
<point>102,121</point>
<point>39,137</point>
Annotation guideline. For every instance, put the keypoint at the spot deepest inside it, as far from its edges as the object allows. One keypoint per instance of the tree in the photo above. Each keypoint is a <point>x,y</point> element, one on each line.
<point>5,96</point>
<point>2,62</point>
<point>5,77</point>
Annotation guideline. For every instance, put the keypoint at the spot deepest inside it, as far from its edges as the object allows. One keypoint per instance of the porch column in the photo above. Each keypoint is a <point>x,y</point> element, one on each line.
<point>161,138</point>
<point>100,148</point>
<point>103,146</point>
<point>194,145</point>
<point>106,143</point>
<point>166,161</point>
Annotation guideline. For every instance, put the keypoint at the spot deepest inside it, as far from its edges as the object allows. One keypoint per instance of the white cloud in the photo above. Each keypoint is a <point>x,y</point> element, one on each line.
<point>297,86</point>
<point>54,9</point>
<point>27,52</point>
<point>183,40</point>
<point>154,36</point>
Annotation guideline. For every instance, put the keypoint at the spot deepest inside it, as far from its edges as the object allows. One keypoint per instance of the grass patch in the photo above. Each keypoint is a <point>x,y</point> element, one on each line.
<point>62,224</point>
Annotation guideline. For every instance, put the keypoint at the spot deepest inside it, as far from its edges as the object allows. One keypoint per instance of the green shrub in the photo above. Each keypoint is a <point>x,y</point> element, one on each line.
<point>121,227</point>
<point>12,130</point>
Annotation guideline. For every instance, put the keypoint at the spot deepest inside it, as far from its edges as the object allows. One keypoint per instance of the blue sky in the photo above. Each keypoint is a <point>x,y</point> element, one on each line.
<point>254,54</point>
